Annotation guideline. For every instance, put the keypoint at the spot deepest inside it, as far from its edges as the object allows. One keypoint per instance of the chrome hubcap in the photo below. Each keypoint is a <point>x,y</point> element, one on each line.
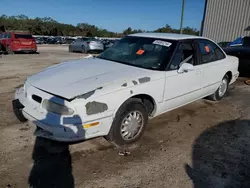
<point>223,87</point>
<point>132,125</point>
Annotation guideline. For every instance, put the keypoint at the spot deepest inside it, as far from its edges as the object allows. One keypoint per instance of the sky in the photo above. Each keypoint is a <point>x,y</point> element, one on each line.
<point>114,15</point>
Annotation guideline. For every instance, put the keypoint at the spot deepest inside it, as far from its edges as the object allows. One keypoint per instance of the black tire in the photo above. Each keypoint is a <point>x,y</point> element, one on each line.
<point>129,106</point>
<point>84,50</point>
<point>216,96</point>
<point>9,51</point>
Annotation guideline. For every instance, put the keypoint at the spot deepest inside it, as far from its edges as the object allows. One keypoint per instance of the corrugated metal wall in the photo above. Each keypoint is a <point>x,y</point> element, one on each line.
<point>225,20</point>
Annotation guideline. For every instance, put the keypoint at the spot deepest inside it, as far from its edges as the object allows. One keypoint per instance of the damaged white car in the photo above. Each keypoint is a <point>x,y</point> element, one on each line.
<point>115,93</point>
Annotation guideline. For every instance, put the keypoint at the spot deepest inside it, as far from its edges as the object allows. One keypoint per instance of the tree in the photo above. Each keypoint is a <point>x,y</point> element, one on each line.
<point>49,26</point>
<point>127,31</point>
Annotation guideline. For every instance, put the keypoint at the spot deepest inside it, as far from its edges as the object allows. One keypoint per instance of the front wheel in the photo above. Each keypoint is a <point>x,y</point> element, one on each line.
<point>129,123</point>
<point>221,91</point>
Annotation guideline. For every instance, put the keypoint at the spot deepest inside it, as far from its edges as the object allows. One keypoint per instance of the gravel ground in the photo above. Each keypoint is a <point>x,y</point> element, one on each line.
<point>203,144</point>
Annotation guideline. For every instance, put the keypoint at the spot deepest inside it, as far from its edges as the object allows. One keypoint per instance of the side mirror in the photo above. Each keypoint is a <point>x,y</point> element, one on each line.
<point>185,67</point>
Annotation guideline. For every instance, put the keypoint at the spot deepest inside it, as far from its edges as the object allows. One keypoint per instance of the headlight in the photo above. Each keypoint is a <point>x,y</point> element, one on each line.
<point>56,108</point>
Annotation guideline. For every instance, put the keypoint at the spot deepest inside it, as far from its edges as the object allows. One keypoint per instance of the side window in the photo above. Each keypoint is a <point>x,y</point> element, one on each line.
<point>185,54</point>
<point>8,35</point>
<point>4,36</point>
<point>209,51</point>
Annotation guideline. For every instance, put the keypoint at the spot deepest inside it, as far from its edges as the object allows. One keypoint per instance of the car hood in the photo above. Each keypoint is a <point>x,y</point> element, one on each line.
<point>71,79</point>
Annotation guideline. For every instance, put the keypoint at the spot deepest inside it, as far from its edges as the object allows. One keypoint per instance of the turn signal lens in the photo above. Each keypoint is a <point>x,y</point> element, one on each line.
<point>90,125</point>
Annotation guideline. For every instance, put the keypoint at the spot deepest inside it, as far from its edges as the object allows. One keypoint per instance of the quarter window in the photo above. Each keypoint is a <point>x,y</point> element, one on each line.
<point>209,51</point>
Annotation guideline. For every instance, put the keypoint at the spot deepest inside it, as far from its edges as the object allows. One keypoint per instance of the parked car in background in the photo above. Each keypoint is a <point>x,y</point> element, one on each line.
<point>86,45</point>
<point>60,40</point>
<point>223,44</point>
<point>45,40</point>
<point>69,40</point>
<point>39,40</point>
<point>109,43</point>
<point>114,94</point>
<point>13,42</point>
<point>241,49</point>
<point>52,40</point>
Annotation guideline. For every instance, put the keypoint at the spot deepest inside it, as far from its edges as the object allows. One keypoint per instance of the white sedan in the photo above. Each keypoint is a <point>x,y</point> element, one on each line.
<point>115,93</point>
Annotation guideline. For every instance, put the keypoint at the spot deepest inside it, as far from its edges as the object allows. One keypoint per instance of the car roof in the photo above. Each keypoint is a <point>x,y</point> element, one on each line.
<point>171,36</point>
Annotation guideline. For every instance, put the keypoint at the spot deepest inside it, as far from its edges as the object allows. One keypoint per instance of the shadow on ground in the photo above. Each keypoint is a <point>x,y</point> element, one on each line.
<point>221,156</point>
<point>52,165</point>
<point>52,162</point>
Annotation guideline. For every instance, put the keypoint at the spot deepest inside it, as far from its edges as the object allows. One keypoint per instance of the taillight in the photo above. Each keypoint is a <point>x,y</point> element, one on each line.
<point>33,42</point>
<point>16,41</point>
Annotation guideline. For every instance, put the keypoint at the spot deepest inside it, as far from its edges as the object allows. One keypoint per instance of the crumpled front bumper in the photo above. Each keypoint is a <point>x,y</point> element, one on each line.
<point>53,126</point>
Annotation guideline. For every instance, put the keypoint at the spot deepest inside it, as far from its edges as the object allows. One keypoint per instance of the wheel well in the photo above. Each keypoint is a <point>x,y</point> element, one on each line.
<point>148,102</point>
<point>230,75</point>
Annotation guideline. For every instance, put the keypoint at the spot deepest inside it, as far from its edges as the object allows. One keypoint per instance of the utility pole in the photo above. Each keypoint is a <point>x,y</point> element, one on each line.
<point>182,15</point>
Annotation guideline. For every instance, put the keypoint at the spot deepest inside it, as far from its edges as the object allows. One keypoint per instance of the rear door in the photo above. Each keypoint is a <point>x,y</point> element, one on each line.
<point>245,56</point>
<point>213,61</point>
<point>77,44</point>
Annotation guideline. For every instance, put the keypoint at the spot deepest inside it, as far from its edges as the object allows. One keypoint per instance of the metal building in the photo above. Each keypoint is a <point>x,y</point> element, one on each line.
<point>225,20</point>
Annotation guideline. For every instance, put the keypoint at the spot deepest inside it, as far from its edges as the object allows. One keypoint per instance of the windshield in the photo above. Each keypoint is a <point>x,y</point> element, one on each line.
<point>23,36</point>
<point>149,53</point>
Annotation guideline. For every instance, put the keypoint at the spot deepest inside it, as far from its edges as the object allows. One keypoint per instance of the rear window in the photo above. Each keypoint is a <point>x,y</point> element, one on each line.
<point>23,36</point>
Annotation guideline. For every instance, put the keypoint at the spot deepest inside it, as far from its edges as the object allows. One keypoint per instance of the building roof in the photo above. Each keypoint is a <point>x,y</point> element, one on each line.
<point>171,36</point>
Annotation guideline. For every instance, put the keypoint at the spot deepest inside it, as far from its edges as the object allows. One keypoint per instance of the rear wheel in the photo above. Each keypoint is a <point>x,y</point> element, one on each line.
<point>221,91</point>
<point>129,123</point>
<point>84,50</point>
<point>9,50</point>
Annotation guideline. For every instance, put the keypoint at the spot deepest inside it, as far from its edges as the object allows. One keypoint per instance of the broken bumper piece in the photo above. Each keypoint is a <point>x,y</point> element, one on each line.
<point>17,109</point>
<point>57,127</point>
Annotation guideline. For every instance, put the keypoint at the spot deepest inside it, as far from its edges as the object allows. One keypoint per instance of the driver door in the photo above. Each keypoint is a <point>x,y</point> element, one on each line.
<point>183,87</point>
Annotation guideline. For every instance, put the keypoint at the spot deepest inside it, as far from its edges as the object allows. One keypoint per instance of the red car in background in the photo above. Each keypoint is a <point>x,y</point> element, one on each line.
<point>13,42</point>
